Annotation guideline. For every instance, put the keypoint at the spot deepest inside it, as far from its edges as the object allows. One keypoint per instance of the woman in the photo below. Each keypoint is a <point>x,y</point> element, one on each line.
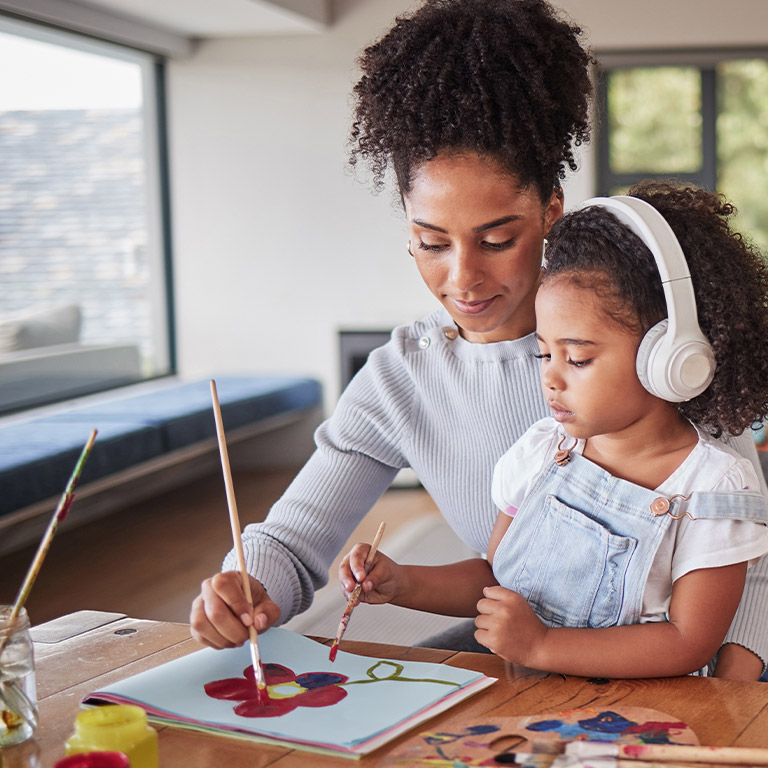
<point>476,105</point>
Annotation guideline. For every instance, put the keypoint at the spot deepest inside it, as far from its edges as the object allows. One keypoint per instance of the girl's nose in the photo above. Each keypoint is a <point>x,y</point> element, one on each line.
<point>550,376</point>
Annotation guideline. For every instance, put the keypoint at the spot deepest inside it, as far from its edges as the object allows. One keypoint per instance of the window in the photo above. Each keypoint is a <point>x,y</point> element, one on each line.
<point>84,273</point>
<point>698,118</point>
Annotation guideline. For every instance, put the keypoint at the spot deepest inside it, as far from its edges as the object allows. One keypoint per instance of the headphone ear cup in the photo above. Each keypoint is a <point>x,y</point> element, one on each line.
<point>645,362</point>
<point>678,373</point>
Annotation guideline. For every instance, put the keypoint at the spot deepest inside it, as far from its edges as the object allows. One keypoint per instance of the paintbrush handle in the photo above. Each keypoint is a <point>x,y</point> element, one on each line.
<point>375,545</point>
<point>234,520</point>
<point>666,753</point>
<point>354,597</point>
<point>65,502</point>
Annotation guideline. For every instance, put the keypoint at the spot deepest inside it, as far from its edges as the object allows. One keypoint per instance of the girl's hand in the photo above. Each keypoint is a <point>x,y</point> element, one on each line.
<point>508,627</point>
<point>382,582</point>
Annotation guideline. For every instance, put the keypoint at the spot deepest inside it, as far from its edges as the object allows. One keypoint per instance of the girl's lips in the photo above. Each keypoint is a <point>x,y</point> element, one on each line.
<point>472,307</point>
<point>559,414</point>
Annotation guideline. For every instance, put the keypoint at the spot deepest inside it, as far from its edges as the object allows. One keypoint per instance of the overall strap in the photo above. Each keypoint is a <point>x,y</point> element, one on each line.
<point>711,505</point>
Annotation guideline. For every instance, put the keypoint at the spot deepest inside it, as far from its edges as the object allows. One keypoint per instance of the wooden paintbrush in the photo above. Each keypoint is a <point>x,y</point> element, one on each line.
<point>354,598</point>
<point>65,502</point>
<point>19,704</point>
<point>668,753</point>
<point>234,520</point>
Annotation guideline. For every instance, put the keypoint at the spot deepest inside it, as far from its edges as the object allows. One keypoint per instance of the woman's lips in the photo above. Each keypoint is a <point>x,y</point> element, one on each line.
<point>472,307</point>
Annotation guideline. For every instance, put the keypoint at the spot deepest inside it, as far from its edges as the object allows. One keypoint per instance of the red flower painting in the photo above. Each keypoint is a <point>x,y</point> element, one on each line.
<point>285,689</point>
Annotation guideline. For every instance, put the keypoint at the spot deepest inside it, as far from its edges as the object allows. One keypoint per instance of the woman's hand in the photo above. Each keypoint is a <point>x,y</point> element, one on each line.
<point>220,615</point>
<point>382,580</point>
<point>507,625</point>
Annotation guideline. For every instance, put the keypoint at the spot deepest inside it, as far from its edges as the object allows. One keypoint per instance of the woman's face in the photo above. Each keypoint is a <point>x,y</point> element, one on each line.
<point>477,239</point>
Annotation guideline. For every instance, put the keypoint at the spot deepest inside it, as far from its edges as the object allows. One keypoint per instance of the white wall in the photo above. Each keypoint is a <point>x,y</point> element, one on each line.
<point>276,245</point>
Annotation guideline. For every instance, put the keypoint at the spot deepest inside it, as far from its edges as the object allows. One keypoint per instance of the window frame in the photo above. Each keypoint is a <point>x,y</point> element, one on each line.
<point>157,174</point>
<point>706,61</point>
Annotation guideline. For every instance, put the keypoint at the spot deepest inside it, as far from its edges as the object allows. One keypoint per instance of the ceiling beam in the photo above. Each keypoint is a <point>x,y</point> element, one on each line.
<point>318,11</point>
<point>97,22</point>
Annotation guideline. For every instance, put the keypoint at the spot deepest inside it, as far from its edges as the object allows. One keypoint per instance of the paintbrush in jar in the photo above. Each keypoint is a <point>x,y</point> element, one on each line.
<point>61,511</point>
<point>354,598</point>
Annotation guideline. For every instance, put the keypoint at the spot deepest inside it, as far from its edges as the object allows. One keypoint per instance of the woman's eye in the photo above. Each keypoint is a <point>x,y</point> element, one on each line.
<point>431,246</point>
<point>499,246</point>
<point>543,356</point>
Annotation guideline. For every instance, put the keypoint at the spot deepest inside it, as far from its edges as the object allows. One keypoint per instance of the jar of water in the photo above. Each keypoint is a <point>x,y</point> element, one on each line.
<point>18,695</point>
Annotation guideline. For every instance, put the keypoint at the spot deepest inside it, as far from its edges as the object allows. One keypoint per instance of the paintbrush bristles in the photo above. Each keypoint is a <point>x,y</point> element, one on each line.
<point>234,520</point>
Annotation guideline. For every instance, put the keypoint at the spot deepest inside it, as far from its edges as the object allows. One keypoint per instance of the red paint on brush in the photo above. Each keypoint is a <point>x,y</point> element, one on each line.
<point>64,511</point>
<point>334,651</point>
<point>634,750</point>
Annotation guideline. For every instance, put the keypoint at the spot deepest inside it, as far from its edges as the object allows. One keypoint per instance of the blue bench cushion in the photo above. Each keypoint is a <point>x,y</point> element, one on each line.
<point>37,458</point>
<point>37,455</point>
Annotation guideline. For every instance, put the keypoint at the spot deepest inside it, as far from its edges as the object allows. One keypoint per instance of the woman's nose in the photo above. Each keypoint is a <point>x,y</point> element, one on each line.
<point>466,271</point>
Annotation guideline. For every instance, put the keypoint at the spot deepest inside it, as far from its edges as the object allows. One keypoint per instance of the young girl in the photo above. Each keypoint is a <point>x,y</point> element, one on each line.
<point>625,529</point>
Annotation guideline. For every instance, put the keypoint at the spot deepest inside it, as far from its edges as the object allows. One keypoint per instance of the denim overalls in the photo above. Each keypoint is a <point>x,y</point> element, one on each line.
<point>582,543</point>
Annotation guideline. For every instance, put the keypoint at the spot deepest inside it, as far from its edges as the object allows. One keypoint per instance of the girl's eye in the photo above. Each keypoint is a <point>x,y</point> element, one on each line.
<point>543,356</point>
<point>579,363</point>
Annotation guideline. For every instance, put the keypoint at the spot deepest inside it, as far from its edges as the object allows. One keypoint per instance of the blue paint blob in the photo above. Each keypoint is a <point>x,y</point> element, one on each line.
<point>607,722</point>
<point>311,680</point>
<point>545,725</point>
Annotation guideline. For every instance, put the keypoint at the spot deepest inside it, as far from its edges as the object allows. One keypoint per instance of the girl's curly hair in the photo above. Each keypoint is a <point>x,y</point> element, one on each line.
<point>506,78</point>
<point>730,282</point>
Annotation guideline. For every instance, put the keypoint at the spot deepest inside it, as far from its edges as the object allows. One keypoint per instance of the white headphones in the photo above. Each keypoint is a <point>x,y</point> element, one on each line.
<point>674,361</point>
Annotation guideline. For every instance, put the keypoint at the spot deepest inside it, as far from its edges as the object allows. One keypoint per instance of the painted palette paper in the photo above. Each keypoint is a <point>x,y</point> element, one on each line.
<point>349,707</point>
<point>479,742</point>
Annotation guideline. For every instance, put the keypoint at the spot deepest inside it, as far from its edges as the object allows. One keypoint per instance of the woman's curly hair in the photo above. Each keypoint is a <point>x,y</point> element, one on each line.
<point>730,282</point>
<point>506,78</point>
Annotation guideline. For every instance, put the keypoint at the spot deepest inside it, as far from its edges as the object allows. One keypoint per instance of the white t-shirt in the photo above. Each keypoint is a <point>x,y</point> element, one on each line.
<point>687,544</point>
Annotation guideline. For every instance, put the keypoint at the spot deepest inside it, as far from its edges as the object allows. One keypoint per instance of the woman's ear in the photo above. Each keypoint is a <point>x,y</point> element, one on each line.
<point>554,209</point>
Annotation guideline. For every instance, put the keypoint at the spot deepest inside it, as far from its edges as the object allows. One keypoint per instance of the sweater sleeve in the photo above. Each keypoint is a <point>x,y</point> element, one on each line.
<point>359,451</point>
<point>750,625</point>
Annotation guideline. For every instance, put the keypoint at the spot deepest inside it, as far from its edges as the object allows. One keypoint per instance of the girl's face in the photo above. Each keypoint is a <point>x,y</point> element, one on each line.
<point>588,364</point>
<point>477,240</point>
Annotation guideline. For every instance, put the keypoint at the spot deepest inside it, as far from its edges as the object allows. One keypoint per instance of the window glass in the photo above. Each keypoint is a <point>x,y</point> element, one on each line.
<point>742,142</point>
<point>82,278</point>
<point>654,119</point>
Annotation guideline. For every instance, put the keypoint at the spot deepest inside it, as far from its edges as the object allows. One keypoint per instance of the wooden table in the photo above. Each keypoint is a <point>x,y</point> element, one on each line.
<point>87,650</point>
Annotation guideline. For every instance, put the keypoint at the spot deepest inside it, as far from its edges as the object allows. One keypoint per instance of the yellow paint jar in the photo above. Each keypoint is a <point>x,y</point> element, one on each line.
<point>118,728</point>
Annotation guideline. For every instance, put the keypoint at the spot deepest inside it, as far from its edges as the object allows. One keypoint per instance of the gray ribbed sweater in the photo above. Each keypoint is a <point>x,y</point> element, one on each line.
<point>448,409</point>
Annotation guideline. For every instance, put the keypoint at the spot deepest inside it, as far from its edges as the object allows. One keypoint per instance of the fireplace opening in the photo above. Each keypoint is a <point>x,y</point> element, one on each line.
<point>354,348</point>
